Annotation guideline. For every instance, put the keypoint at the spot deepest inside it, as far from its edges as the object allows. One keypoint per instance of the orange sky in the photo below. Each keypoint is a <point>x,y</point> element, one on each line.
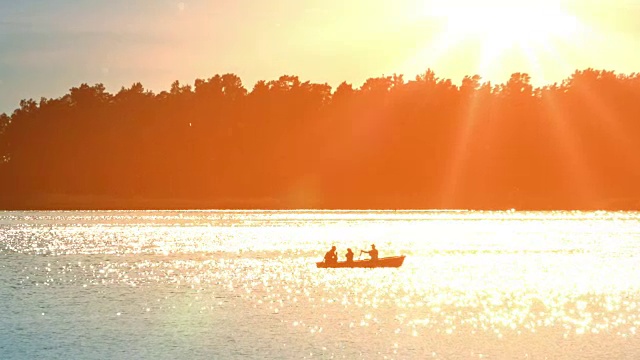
<point>48,47</point>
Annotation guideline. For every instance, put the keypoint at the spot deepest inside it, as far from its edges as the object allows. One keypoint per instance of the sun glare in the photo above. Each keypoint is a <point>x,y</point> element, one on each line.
<point>500,29</point>
<point>509,25</point>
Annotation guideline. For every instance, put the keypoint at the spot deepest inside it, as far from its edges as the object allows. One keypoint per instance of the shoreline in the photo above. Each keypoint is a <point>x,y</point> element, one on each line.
<point>52,202</point>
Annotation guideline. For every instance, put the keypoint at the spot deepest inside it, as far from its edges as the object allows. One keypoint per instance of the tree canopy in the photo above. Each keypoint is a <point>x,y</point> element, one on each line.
<point>288,143</point>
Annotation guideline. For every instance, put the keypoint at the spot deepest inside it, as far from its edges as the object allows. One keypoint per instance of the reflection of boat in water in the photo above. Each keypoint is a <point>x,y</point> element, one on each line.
<point>393,261</point>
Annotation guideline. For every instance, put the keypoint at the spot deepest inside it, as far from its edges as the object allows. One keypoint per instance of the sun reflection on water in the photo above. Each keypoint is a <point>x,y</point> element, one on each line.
<point>484,282</point>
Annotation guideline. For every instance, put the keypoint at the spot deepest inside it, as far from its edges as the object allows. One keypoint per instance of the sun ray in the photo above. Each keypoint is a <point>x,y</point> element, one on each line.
<point>460,153</point>
<point>434,51</point>
<point>578,172</point>
<point>573,161</point>
<point>505,32</point>
<point>583,178</point>
<point>596,104</point>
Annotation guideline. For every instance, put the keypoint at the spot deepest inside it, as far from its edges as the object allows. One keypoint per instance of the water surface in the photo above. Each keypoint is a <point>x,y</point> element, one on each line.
<point>238,284</point>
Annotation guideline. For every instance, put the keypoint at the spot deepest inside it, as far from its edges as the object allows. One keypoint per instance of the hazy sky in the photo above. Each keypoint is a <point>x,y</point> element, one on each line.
<point>49,46</point>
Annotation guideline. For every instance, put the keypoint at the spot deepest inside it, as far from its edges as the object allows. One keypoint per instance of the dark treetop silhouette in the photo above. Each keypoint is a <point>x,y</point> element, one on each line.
<point>425,143</point>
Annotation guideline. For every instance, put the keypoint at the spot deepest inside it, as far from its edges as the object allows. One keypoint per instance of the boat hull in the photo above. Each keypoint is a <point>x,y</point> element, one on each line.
<point>387,262</point>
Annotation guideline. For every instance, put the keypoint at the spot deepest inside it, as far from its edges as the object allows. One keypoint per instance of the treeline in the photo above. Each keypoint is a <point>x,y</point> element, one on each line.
<point>392,143</point>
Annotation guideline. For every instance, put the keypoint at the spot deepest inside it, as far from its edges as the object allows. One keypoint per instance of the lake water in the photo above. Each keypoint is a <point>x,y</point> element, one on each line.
<point>238,284</point>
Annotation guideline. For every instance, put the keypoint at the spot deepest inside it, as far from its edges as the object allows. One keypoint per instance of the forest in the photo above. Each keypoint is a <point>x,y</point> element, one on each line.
<point>426,143</point>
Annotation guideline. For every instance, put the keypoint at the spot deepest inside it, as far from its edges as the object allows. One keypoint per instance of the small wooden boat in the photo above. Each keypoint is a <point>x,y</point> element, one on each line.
<point>386,262</point>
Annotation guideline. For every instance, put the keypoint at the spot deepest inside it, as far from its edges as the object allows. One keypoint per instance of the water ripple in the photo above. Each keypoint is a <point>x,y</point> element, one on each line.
<point>237,284</point>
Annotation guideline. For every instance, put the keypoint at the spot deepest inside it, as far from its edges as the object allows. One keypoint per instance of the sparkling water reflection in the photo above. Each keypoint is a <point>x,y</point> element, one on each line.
<point>227,284</point>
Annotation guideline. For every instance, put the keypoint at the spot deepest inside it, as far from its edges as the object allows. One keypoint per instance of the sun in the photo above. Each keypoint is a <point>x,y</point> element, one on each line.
<point>502,28</point>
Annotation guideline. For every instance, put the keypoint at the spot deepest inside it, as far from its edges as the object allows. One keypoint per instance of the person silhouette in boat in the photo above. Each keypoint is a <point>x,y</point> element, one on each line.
<point>331,256</point>
<point>373,252</point>
<point>349,256</point>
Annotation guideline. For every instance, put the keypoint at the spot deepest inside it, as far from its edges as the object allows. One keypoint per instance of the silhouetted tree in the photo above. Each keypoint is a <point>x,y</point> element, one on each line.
<point>392,143</point>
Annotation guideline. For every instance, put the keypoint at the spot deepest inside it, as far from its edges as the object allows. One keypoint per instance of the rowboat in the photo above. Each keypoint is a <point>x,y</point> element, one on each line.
<point>386,262</point>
